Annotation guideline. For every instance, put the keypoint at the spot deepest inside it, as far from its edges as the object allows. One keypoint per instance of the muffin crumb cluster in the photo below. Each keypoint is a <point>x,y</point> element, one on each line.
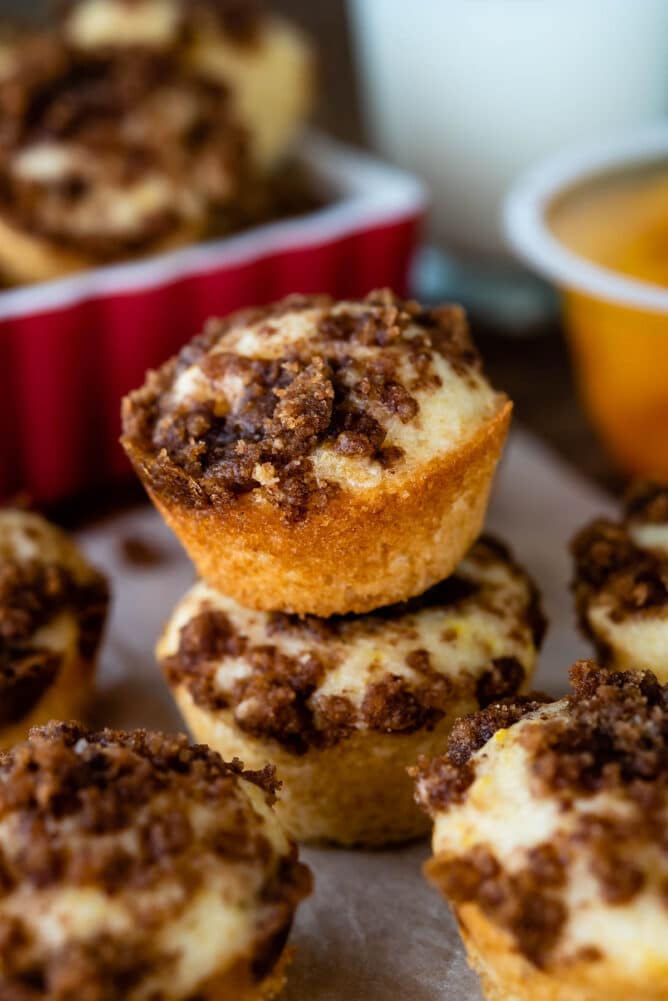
<point>609,562</point>
<point>254,420</point>
<point>613,736</point>
<point>445,779</point>
<point>526,902</point>
<point>31,594</point>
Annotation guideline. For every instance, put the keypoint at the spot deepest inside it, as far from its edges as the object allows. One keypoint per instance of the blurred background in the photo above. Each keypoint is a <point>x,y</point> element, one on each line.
<point>339,110</point>
<point>470,94</point>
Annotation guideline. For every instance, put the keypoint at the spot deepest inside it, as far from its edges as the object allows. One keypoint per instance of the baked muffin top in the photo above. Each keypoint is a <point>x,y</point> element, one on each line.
<point>621,568</point>
<point>136,866</point>
<point>159,23</point>
<point>265,60</point>
<point>292,403</point>
<point>312,682</point>
<point>50,601</point>
<point>108,152</point>
<point>551,817</point>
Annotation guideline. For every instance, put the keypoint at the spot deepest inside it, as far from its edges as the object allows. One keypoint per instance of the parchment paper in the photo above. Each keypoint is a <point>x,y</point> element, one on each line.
<point>373,928</point>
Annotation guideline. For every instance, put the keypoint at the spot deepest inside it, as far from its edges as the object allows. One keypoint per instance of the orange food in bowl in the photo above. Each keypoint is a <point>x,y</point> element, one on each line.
<point>621,359</point>
<point>595,222</point>
<point>621,352</point>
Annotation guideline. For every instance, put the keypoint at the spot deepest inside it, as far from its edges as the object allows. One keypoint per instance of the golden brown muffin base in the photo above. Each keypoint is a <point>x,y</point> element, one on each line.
<point>507,976</point>
<point>365,550</point>
<point>357,792</point>
<point>27,258</point>
<point>67,698</point>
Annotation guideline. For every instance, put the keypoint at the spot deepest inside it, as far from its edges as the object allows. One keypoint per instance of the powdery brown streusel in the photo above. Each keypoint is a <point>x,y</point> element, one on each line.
<point>31,594</point>
<point>278,699</point>
<point>317,392</point>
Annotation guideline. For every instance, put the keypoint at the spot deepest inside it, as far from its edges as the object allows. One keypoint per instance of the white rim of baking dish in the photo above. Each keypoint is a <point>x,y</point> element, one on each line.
<point>531,239</point>
<point>369,192</point>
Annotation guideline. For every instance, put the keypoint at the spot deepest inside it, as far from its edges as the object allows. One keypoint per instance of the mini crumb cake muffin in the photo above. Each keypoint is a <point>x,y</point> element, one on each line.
<point>550,840</point>
<point>264,60</point>
<point>621,583</point>
<point>52,611</point>
<point>137,867</point>
<point>320,457</point>
<point>105,155</point>
<point>343,706</point>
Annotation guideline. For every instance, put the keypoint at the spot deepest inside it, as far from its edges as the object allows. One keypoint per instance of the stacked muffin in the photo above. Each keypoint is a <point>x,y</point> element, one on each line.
<point>327,467</point>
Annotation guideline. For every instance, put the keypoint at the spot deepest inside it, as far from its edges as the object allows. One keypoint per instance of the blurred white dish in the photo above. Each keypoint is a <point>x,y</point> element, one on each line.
<point>466,93</point>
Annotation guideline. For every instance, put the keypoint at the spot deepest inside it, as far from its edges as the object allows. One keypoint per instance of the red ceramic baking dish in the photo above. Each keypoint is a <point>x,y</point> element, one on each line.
<point>71,348</point>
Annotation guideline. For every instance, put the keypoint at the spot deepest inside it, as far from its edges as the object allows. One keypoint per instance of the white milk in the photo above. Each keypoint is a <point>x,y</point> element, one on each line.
<point>467,92</point>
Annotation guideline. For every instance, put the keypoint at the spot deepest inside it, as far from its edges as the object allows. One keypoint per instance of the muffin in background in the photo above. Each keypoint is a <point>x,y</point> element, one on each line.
<point>265,61</point>
<point>108,154</point>
<point>620,582</point>
<point>52,611</point>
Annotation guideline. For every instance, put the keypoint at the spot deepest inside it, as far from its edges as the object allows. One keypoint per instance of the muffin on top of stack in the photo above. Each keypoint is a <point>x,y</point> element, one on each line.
<point>327,466</point>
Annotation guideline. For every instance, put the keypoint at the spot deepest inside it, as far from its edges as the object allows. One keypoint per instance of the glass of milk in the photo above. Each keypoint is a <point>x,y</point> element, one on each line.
<point>466,93</point>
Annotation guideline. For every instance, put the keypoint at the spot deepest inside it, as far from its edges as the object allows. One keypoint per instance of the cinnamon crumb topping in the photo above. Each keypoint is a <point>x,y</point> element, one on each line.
<point>32,593</point>
<point>274,689</point>
<point>262,418</point>
<point>613,736</point>
<point>445,780</point>
<point>128,814</point>
<point>610,740</point>
<point>102,779</point>
<point>609,563</point>
<point>390,706</point>
<point>611,567</point>
<point>501,681</point>
<point>107,122</point>
<point>526,903</point>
